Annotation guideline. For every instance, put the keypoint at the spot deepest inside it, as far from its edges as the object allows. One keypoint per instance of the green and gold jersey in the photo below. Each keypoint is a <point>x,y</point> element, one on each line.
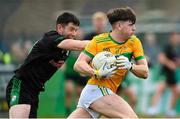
<point>130,48</point>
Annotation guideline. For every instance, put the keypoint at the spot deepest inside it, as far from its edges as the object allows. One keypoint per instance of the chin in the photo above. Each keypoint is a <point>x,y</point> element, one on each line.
<point>132,34</point>
<point>128,36</point>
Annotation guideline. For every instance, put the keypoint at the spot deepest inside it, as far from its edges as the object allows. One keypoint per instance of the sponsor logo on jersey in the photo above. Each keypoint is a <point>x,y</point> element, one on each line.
<point>56,64</point>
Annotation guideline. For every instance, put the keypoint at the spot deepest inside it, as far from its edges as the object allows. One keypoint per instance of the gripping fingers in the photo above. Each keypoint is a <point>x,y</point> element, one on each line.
<point>120,61</point>
<point>121,58</point>
<point>121,64</point>
<point>111,74</point>
<point>114,68</point>
<point>122,67</point>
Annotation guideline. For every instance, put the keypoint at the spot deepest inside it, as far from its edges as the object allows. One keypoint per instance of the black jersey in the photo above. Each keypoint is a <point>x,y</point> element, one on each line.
<point>43,61</point>
<point>171,53</point>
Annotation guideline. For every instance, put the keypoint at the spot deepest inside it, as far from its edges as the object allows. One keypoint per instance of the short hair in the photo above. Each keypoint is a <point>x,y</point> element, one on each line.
<point>99,15</point>
<point>66,18</point>
<point>121,14</point>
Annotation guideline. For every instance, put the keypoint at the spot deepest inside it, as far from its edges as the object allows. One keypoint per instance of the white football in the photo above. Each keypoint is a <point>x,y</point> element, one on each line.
<point>103,57</point>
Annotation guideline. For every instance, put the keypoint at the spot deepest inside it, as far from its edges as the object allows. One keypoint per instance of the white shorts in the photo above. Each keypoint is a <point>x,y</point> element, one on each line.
<point>91,93</point>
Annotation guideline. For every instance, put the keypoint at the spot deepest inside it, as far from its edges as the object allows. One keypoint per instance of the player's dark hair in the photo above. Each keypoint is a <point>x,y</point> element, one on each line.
<point>121,14</point>
<point>66,18</point>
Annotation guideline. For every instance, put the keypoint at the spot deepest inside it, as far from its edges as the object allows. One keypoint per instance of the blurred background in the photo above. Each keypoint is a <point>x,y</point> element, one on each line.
<point>23,22</point>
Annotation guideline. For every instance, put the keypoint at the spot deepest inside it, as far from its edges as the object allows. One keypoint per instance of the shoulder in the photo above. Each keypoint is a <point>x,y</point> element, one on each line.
<point>53,35</point>
<point>134,38</point>
<point>102,36</point>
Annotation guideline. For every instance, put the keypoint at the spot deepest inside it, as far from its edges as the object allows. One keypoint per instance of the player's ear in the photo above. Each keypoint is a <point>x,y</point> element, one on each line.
<point>59,28</point>
<point>120,24</point>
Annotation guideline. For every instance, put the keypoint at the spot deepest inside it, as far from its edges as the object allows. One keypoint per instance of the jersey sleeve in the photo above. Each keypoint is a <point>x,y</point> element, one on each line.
<point>52,41</point>
<point>138,52</point>
<point>57,40</point>
<point>91,48</point>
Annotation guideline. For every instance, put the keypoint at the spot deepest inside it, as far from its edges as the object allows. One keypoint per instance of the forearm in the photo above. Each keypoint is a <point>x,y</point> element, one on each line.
<point>70,44</point>
<point>84,68</point>
<point>83,44</point>
<point>140,70</point>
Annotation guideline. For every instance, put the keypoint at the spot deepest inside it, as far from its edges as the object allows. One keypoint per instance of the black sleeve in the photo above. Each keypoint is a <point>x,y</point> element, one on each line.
<point>52,41</point>
<point>57,40</point>
<point>166,49</point>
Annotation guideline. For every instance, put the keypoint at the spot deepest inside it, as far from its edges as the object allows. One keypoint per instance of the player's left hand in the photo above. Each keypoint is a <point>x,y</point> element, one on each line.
<point>105,72</point>
<point>123,62</point>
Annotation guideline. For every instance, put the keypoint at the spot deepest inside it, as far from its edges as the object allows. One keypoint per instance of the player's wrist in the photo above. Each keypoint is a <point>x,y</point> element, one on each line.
<point>131,66</point>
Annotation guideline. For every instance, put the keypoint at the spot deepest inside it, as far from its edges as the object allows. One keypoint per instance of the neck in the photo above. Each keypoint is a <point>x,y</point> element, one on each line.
<point>118,36</point>
<point>99,31</point>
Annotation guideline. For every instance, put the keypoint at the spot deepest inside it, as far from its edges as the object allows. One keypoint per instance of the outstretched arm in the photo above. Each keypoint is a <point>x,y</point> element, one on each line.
<point>70,44</point>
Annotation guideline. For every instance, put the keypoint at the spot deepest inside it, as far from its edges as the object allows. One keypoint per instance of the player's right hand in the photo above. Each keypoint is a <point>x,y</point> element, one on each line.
<point>104,71</point>
<point>123,62</point>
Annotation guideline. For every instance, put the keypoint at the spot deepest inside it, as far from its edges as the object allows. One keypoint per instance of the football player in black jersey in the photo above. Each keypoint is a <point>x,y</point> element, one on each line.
<point>44,59</point>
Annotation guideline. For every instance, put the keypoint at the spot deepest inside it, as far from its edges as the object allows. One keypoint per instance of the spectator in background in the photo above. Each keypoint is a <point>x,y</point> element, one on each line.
<point>168,58</point>
<point>99,22</point>
<point>74,82</point>
<point>151,49</point>
<point>125,90</point>
<point>20,51</point>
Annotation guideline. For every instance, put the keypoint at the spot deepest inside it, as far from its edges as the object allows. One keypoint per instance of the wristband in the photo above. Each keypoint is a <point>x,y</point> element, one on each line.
<point>131,66</point>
